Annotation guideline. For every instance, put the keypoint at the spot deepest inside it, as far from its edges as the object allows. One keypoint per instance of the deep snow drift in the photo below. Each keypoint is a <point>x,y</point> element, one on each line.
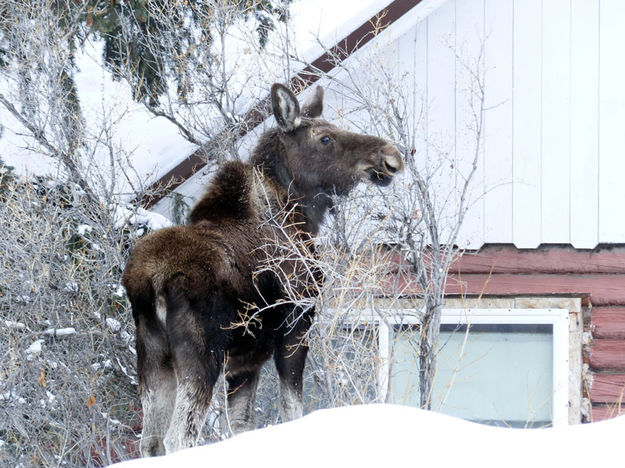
<point>389,435</point>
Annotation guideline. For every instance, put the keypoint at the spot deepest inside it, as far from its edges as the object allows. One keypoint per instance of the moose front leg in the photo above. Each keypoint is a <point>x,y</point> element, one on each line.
<point>290,365</point>
<point>241,397</point>
<point>290,358</point>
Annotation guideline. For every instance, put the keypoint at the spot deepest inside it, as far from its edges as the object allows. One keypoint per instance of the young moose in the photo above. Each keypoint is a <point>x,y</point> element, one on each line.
<point>190,285</point>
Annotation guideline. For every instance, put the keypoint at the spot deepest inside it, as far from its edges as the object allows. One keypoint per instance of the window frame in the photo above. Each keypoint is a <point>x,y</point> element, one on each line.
<point>385,321</point>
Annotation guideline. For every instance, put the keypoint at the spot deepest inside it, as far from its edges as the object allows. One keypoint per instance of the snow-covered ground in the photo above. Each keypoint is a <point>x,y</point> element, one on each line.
<point>389,435</point>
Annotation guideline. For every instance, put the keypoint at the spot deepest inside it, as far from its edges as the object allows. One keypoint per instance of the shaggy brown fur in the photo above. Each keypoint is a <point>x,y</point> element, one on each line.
<point>190,286</point>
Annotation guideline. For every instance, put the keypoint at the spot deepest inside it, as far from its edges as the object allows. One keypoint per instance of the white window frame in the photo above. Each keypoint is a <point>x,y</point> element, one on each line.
<point>558,318</point>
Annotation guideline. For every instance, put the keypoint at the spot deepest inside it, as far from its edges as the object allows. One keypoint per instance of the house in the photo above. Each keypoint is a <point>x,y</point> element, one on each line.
<point>544,239</point>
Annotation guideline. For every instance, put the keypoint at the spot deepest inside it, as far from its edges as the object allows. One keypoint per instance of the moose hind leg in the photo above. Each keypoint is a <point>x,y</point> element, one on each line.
<point>197,367</point>
<point>158,401</point>
<point>196,374</point>
<point>157,387</point>
<point>241,397</point>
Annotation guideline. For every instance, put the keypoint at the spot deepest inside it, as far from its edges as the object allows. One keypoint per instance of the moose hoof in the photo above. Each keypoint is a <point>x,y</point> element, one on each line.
<point>152,447</point>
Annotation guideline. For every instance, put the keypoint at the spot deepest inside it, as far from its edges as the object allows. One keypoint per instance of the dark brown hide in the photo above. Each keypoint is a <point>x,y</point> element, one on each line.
<point>197,301</point>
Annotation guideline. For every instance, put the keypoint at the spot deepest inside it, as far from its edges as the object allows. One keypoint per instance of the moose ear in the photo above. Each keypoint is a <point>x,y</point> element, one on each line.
<point>285,107</point>
<point>314,106</point>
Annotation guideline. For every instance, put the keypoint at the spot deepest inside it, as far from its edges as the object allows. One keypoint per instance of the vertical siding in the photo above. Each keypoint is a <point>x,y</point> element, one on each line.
<point>526,125</point>
<point>584,147</point>
<point>555,120</point>
<point>498,26</point>
<point>420,73</point>
<point>412,74</point>
<point>611,120</point>
<point>441,127</point>
<point>418,37</point>
<point>469,57</point>
<point>554,130</point>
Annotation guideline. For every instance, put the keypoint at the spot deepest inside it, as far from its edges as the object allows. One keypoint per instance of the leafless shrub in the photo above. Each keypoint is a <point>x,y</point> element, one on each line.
<point>67,377</point>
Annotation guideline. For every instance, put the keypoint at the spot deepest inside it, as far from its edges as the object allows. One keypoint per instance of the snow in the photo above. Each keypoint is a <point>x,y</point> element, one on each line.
<point>51,399</point>
<point>328,21</point>
<point>15,325</point>
<point>113,324</point>
<point>108,364</point>
<point>84,229</point>
<point>11,396</point>
<point>389,435</point>
<point>123,216</point>
<point>24,299</point>
<point>71,286</point>
<point>34,349</point>
<point>124,335</point>
<point>155,143</point>
<point>61,331</point>
<point>119,289</point>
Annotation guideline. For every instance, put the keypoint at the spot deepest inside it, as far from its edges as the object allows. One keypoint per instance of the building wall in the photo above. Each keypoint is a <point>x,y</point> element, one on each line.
<point>548,182</point>
<point>550,164</point>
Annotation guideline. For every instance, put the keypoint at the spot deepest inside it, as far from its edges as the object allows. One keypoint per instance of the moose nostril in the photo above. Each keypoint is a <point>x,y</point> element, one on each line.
<point>390,168</point>
<point>392,161</point>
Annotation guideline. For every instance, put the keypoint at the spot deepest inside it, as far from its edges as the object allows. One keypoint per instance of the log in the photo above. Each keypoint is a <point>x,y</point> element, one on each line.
<point>607,355</point>
<point>608,322</point>
<point>608,388</point>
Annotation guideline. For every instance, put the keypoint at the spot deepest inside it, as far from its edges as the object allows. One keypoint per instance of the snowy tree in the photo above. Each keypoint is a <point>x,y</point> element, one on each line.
<point>67,379</point>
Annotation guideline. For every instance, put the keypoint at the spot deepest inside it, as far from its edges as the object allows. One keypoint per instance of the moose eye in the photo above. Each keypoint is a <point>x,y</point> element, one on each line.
<point>325,139</point>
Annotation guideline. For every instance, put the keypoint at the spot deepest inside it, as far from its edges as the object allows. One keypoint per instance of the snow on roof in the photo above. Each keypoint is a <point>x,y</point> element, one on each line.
<point>390,435</point>
<point>329,21</point>
<point>155,143</point>
<point>156,147</point>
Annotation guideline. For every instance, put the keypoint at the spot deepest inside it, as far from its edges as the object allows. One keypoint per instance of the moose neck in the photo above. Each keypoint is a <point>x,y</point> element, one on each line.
<point>311,202</point>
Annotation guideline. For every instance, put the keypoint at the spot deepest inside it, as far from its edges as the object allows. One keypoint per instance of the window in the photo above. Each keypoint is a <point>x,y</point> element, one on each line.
<point>496,366</point>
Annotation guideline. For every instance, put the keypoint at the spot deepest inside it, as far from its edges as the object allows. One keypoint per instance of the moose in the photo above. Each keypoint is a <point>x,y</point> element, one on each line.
<point>190,285</point>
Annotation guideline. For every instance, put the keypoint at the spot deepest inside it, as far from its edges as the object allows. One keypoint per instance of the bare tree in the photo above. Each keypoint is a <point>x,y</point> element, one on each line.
<point>40,77</point>
<point>67,379</point>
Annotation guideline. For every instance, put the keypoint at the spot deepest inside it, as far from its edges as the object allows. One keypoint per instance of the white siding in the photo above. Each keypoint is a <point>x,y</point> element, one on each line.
<point>441,94</point>
<point>526,124</point>
<point>555,121</point>
<point>498,21</point>
<point>551,167</point>
<point>611,120</point>
<point>469,33</point>
<point>584,123</point>
<point>551,163</point>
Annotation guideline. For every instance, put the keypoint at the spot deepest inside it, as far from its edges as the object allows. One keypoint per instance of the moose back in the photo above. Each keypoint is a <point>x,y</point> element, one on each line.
<point>189,286</point>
